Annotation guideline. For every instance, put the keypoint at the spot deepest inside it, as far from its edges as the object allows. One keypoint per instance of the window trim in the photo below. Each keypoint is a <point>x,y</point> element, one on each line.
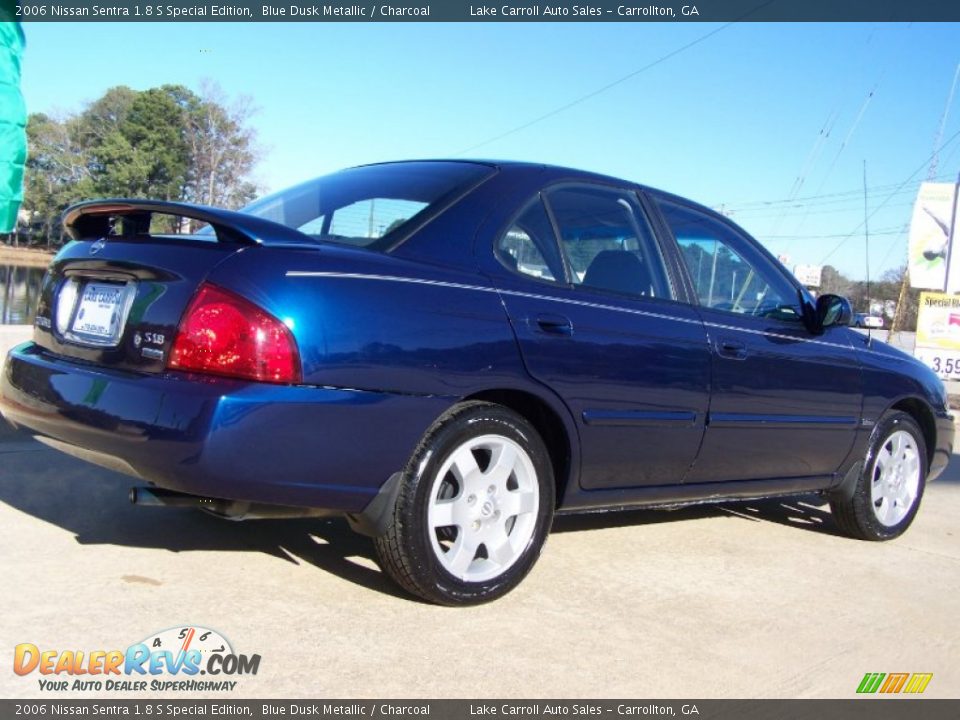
<point>684,291</point>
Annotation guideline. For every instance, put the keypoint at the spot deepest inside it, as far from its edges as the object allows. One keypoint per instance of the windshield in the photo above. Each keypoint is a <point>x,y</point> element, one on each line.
<point>371,206</point>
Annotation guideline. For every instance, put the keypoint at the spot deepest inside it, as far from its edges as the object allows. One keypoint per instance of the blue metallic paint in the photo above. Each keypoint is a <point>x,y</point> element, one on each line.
<point>223,438</point>
<point>785,372</point>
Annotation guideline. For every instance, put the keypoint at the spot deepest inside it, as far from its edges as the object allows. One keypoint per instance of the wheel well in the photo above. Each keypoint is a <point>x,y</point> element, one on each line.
<point>924,418</point>
<point>546,422</point>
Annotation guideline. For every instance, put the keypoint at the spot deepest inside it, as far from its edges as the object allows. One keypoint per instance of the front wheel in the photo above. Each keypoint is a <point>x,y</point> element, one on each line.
<point>887,494</point>
<point>474,508</point>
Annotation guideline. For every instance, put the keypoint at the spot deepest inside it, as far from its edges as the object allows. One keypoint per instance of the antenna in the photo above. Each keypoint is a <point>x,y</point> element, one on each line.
<point>866,242</point>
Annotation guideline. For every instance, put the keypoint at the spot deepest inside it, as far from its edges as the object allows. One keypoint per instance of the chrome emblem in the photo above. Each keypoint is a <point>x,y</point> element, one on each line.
<point>98,246</point>
<point>137,340</point>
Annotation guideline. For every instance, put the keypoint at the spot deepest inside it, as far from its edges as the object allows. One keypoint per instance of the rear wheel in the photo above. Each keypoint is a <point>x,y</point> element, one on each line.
<point>887,494</point>
<point>474,508</point>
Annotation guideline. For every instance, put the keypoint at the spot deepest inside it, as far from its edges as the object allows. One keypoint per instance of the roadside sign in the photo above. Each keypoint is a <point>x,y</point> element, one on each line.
<point>930,238</point>
<point>808,275</point>
<point>938,333</point>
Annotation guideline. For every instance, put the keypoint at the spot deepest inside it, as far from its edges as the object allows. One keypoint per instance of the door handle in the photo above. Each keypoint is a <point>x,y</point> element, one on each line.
<point>733,349</point>
<point>555,324</point>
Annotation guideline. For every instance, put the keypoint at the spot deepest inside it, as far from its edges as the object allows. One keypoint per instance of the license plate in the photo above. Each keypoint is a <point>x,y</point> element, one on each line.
<point>100,311</point>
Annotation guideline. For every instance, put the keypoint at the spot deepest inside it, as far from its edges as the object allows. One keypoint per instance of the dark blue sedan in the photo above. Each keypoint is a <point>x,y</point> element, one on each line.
<point>448,353</point>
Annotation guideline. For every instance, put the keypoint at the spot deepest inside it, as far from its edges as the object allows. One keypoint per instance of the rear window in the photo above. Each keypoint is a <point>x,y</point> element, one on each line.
<point>373,206</point>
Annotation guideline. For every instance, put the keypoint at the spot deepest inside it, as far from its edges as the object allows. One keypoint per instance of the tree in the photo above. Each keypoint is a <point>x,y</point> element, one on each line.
<point>222,149</point>
<point>146,155</point>
<point>57,172</point>
<point>167,143</point>
<point>893,279</point>
<point>834,282</point>
<point>105,115</point>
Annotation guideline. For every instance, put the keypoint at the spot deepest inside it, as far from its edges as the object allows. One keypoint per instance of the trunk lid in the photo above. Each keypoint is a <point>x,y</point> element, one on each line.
<point>115,296</point>
<point>119,306</point>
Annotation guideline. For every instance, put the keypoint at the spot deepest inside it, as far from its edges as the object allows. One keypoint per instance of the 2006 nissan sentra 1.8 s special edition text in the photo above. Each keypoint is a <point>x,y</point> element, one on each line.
<point>448,353</point>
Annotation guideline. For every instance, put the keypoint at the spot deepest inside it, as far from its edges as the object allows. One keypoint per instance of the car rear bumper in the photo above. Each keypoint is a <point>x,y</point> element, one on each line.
<point>304,446</point>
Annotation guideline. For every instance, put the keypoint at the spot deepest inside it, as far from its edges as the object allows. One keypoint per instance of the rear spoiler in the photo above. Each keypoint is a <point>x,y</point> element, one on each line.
<point>99,218</point>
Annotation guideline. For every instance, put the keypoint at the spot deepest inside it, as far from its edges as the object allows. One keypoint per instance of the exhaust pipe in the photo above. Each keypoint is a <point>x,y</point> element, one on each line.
<point>222,508</point>
<point>158,497</point>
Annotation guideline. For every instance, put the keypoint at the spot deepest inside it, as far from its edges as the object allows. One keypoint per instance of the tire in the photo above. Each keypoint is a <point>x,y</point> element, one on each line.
<point>474,507</point>
<point>888,491</point>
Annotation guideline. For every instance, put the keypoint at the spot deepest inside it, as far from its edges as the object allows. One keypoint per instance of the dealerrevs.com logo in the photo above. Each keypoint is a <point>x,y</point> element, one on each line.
<point>171,660</point>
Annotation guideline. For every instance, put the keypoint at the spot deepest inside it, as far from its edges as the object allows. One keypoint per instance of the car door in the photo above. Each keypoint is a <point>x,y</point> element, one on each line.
<point>592,303</point>
<point>785,403</point>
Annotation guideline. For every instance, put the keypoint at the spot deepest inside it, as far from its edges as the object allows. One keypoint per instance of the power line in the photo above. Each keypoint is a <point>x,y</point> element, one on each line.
<point>943,122</point>
<point>852,194</point>
<point>803,210</point>
<point>877,209</point>
<point>818,147</point>
<point>608,86</point>
<point>856,122</point>
<point>893,243</point>
<point>772,238</point>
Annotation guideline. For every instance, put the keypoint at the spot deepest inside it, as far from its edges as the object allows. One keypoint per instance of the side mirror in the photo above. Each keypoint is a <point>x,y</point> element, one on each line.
<point>833,310</point>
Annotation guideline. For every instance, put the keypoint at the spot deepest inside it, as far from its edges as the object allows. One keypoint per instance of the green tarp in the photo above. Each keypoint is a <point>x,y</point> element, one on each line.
<point>13,121</point>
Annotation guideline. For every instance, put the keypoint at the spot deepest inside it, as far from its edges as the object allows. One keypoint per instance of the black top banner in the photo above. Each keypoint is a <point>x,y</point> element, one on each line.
<point>622,11</point>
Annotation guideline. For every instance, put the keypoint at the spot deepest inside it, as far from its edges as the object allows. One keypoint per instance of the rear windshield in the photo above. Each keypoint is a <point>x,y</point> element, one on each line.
<point>372,206</point>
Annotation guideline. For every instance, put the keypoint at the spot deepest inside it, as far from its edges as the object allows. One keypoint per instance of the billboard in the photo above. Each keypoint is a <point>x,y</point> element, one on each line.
<point>930,238</point>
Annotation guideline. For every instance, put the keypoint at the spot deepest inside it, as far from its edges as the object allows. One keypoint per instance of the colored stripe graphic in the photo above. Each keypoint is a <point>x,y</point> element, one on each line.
<point>894,683</point>
<point>918,683</point>
<point>870,682</point>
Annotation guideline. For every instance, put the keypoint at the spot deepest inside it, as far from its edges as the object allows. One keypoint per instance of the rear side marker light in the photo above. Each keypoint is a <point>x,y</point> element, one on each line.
<point>224,334</point>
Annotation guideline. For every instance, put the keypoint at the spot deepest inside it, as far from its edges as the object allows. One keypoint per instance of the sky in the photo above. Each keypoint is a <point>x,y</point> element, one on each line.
<point>769,123</point>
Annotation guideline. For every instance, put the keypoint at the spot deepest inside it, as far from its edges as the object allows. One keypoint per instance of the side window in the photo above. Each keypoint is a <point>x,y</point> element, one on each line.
<point>607,241</point>
<point>529,246</point>
<point>726,274</point>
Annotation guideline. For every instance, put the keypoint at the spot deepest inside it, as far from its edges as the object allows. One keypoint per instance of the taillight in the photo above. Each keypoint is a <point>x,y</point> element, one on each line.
<point>225,334</point>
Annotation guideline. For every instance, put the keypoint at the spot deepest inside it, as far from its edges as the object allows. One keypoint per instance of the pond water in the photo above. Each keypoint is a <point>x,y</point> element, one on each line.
<point>19,292</point>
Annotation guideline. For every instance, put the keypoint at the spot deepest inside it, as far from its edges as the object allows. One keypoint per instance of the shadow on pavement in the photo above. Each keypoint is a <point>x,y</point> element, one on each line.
<point>805,512</point>
<point>950,476</point>
<point>92,504</point>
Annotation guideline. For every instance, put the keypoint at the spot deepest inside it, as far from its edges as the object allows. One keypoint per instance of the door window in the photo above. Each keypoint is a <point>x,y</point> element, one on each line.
<point>727,273</point>
<point>607,241</point>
